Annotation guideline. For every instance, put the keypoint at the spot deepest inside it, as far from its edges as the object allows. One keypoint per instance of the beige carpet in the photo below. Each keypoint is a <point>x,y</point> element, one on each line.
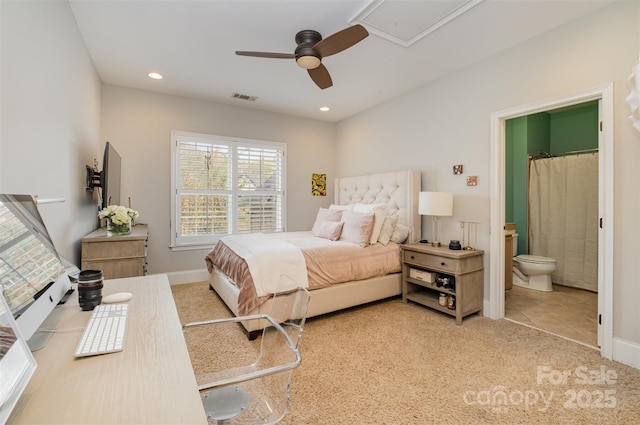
<point>394,363</point>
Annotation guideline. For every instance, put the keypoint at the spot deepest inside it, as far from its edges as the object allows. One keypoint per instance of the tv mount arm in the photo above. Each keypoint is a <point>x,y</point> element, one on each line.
<point>93,178</point>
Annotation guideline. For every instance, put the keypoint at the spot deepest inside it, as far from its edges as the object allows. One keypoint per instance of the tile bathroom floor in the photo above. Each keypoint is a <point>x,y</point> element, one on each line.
<point>568,312</point>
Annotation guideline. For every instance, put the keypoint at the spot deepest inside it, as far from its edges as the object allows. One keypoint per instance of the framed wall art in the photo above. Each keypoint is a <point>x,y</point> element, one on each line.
<point>319,184</point>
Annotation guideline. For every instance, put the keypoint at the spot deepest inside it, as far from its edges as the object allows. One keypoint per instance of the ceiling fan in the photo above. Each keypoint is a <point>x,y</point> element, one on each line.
<point>312,48</point>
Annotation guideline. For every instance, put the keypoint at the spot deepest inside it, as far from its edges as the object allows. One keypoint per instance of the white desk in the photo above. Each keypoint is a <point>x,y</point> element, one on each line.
<point>151,381</point>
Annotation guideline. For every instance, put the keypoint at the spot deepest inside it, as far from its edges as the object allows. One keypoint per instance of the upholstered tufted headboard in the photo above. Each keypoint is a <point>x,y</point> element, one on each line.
<point>399,190</point>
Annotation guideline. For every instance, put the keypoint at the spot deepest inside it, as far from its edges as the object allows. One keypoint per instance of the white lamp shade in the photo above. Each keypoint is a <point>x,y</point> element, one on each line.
<point>435,203</point>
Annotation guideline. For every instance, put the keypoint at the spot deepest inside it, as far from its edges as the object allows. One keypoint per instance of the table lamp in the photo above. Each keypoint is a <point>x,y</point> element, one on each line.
<point>435,204</point>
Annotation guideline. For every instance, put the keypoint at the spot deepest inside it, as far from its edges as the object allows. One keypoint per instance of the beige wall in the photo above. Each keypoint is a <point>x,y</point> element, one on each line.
<point>447,122</point>
<point>139,125</point>
<point>56,116</point>
<point>50,116</point>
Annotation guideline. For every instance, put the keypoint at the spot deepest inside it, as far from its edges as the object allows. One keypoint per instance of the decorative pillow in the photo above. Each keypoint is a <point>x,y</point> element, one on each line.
<point>325,214</point>
<point>378,211</point>
<point>341,207</point>
<point>357,227</point>
<point>388,227</point>
<point>378,221</point>
<point>368,207</point>
<point>400,234</point>
<point>330,230</point>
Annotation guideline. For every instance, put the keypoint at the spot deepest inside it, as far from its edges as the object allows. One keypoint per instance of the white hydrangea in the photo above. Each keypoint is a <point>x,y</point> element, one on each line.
<point>118,214</point>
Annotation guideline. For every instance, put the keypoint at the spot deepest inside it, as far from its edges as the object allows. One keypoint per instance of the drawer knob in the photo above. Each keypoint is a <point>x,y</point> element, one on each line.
<point>443,263</point>
<point>413,258</point>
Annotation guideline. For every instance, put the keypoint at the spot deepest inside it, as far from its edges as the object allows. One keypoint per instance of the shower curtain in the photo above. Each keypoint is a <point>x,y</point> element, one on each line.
<point>563,217</point>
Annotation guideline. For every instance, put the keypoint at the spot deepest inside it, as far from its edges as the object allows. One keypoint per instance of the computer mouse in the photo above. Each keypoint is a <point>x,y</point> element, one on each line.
<point>118,297</point>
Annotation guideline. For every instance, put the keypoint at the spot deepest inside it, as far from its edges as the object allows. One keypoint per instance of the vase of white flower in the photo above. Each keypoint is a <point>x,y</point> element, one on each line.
<point>114,229</point>
<point>119,219</point>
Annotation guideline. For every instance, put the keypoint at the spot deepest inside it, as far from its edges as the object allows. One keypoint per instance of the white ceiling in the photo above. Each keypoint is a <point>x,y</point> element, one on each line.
<point>193,44</point>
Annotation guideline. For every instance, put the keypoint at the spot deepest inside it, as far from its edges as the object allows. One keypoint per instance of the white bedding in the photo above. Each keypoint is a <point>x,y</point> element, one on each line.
<point>275,264</point>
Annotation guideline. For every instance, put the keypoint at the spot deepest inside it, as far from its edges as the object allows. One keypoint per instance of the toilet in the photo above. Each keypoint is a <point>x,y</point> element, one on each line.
<point>532,271</point>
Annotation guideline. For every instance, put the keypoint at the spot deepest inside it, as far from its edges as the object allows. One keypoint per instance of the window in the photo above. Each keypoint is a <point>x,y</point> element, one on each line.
<point>224,186</point>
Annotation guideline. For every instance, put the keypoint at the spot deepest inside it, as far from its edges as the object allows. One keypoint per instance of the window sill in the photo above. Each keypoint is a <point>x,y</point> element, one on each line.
<point>176,248</point>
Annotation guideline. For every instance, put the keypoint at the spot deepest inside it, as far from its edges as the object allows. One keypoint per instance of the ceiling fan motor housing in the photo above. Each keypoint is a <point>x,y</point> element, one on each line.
<point>306,57</point>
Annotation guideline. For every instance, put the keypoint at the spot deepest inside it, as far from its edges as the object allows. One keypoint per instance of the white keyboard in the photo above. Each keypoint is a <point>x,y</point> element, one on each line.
<point>105,331</point>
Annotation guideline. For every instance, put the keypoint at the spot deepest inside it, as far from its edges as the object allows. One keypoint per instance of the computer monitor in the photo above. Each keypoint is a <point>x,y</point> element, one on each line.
<point>17,364</point>
<point>32,277</point>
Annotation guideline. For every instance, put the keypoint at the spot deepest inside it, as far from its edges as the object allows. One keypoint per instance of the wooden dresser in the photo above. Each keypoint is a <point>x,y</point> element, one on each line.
<point>116,256</point>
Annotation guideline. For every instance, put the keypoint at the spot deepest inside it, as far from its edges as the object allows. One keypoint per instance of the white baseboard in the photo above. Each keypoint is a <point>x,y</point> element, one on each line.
<point>626,352</point>
<point>188,276</point>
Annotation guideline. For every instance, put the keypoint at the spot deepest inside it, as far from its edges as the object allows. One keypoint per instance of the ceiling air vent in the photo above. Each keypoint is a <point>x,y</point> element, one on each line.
<point>244,97</point>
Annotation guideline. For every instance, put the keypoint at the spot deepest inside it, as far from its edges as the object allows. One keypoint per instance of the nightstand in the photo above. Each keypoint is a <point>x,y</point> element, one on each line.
<point>425,268</point>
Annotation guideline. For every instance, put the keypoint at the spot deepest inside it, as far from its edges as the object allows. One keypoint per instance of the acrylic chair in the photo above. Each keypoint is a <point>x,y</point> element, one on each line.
<point>248,382</point>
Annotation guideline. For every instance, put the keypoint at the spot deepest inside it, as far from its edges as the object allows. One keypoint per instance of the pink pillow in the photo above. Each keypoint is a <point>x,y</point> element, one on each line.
<point>378,221</point>
<point>330,230</point>
<point>357,227</point>
<point>325,214</point>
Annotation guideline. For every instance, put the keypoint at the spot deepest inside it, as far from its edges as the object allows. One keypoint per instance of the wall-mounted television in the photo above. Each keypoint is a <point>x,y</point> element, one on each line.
<point>109,179</point>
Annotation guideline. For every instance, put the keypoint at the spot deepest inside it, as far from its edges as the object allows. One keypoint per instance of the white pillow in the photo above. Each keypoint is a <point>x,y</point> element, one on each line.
<point>357,227</point>
<point>388,227</point>
<point>330,230</point>
<point>400,234</point>
<point>323,215</point>
<point>368,207</point>
<point>341,207</point>
<point>378,211</point>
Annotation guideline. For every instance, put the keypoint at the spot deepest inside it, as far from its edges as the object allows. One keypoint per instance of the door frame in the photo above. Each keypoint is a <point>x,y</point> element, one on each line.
<point>604,95</point>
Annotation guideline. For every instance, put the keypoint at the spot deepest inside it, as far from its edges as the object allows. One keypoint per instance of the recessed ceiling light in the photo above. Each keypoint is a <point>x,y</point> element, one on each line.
<point>324,108</point>
<point>155,75</point>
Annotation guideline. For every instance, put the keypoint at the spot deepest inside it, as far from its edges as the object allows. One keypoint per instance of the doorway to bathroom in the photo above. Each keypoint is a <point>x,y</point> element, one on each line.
<point>551,199</point>
<point>603,97</point>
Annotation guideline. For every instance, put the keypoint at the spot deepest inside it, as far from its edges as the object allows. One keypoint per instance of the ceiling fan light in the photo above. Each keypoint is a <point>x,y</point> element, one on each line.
<point>308,62</point>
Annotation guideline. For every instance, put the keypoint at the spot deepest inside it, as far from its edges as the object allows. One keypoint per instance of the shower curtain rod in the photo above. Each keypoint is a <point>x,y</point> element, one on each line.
<point>544,154</point>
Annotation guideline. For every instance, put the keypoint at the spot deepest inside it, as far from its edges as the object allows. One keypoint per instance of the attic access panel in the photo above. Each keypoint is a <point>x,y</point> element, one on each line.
<point>406,22</point>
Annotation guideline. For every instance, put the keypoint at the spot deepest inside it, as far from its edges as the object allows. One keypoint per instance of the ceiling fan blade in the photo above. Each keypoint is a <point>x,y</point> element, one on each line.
<point>340,41</point>
<point>267,55</point>
<point>321,77</point>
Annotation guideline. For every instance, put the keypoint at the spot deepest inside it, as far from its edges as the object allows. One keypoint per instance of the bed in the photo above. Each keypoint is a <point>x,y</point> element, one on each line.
<point>391,197</point>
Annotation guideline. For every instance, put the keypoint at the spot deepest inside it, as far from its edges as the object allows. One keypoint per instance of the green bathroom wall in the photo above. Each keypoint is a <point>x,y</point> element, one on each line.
<point>552,132</point>
<point>574,129</point>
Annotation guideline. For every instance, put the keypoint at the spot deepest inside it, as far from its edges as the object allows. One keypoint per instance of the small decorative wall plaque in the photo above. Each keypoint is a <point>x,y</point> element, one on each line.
<point>318,184</point>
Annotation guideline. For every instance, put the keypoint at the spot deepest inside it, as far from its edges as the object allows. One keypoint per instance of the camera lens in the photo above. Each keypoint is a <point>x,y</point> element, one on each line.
<point>89,289</point>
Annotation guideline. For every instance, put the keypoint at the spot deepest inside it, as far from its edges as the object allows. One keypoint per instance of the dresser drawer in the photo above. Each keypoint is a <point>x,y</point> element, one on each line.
<point>115,269</point>
<point>443,263</point>
<point>431,261</point>
<point>113,249</point>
